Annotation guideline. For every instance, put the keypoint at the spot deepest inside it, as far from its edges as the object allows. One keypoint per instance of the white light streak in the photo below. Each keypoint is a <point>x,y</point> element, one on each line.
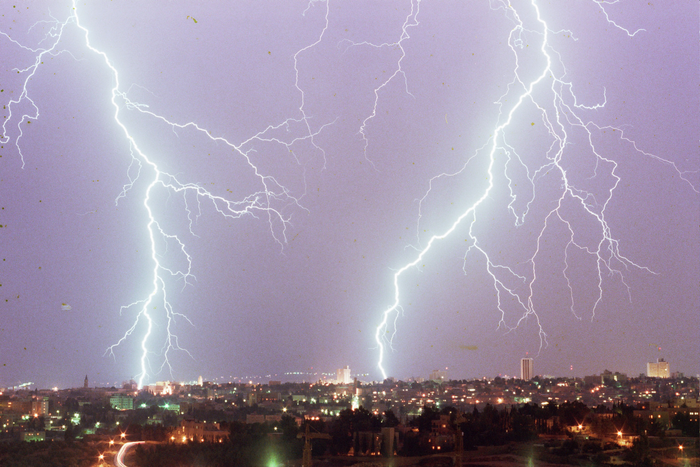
<point>267,201</point>
<point>559,113</point>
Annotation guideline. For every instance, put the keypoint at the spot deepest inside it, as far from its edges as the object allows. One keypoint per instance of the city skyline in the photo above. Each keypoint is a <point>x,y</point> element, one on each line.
<point>311,377</point>
<point>349,119</point>
<point>330,377</point>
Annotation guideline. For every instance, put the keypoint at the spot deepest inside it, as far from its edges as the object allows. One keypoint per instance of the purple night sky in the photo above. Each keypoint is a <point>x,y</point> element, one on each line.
<point>350,122</point>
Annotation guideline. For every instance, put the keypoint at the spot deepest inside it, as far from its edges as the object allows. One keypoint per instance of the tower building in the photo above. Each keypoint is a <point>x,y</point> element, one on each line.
<point>343,375</point>
<point>658,369</point>
<point>526,369</point>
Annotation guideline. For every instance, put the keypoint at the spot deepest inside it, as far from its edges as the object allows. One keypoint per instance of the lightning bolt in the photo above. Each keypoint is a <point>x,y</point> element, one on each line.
<point>576,197</point>
<point>270,200</point>
<point>411,20</point>
<point>53,34</point>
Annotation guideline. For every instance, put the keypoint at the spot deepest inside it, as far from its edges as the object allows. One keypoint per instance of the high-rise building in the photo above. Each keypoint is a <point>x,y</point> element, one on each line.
<point>527,368</point>
<point>438,376</point>
<point>343,375</point>
<point>85,383</point>
<point>658,369</point>
<point>40,406</point>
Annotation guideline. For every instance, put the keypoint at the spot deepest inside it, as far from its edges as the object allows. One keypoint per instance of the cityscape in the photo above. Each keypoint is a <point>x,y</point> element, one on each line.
<point>349,233</point>
<point>604,419</point>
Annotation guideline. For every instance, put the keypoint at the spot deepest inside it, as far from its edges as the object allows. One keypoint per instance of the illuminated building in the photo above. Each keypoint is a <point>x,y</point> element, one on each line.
<point>40,406</point>
<point>130,385</point>
<point>526,369</point>
<point>606,378</point>
<point>32,436</point>
<point>163,388</point>
<point>121,402</point>
<point>658,369</point>
<point>202,431</point>
<point>438,376</point>
<point>343,375</point>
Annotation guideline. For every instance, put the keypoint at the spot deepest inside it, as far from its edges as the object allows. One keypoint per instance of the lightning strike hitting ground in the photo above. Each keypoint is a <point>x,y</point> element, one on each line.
<point>270,200</point>
<point>576,197</point>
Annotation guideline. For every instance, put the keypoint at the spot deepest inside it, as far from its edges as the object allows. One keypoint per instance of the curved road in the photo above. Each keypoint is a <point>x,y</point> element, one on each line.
<point>119,457</point>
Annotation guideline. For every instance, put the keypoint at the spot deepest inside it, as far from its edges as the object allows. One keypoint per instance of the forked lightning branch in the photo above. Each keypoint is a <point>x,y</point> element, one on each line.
<point>552,97</point>
<point>266,202</point>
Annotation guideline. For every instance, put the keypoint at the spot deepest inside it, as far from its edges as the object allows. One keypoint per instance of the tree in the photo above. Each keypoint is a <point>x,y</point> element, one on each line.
<point>390,419</point>
<point>681,421</point>
<point>573,413</point>
<point>639,452</point>
<point>424,421</point>
<point>523,426</point>
<point>291,445</point>
<point>347,424</point>
<point>36,423</point>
